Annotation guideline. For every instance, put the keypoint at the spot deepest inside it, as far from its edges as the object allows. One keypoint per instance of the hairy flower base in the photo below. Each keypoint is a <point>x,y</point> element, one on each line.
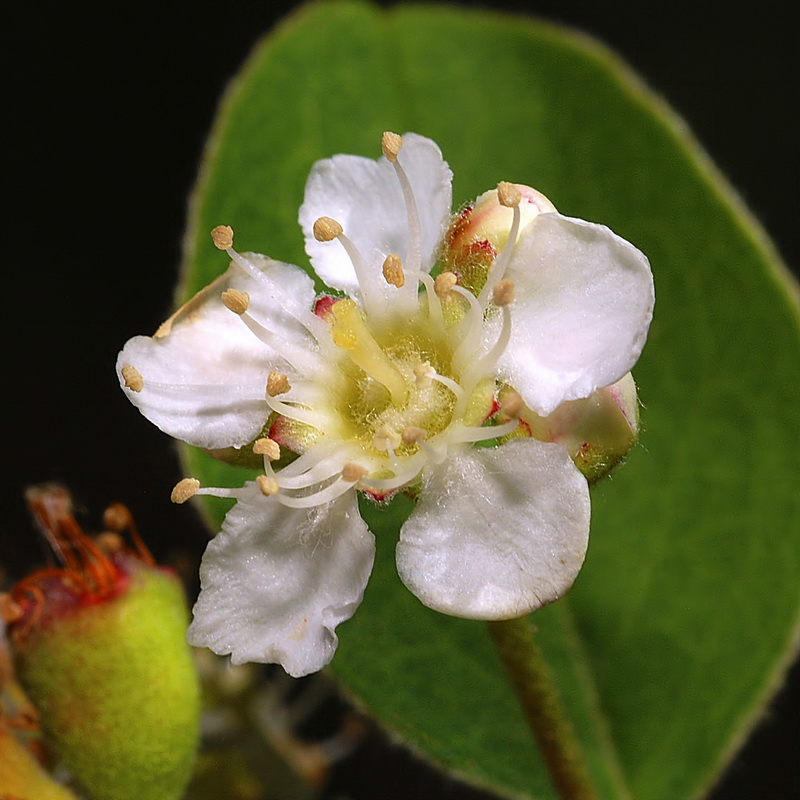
<point>392,388</point>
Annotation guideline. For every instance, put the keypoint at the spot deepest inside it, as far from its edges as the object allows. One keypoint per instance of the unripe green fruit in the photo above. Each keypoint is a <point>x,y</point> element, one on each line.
<point>116,689</point>
<point>100,648</point>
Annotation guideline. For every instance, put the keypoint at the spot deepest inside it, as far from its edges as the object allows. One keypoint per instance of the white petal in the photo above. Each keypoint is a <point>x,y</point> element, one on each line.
<point>497,532</point>
<point>584,300</point>
<point>365,197</point>
<point>277,581</point>
<point>204,372</point>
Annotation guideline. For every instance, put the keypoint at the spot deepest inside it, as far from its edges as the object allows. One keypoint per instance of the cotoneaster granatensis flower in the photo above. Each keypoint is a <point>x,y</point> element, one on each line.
<point>407,383</point>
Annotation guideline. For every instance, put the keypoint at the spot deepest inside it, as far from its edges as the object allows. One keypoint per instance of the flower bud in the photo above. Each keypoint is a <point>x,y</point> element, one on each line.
<point>100,649</point>
<point>481,231</point>
<point>597,431</point>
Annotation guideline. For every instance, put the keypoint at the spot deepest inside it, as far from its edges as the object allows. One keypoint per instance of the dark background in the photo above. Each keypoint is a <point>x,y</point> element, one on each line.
<point>106,112</point>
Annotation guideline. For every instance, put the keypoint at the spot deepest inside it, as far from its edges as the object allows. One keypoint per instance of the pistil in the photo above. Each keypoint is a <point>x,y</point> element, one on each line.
<point>350,334</point>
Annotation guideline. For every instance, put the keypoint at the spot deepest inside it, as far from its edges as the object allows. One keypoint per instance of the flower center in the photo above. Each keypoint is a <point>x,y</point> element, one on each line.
<point>399,378</point>
<point>397,383</point>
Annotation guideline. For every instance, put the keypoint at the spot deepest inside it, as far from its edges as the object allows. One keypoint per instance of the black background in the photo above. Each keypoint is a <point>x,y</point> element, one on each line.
<point>106,112</point>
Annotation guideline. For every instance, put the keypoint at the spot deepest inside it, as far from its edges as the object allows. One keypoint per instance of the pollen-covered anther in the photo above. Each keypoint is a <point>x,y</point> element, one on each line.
<point>235,300</point>
<point>267,447</point>
<point>508,195</point>
<point>391,144</point>
<point>109,542</point>
<point>511,404</point>
<point>444,284</point>
<point>352,472</point>
<point>133,378</point>
<point>267,485</point>
<point>413,434</point>
<point>116,517</point>
<point>424,373</point>
<point>184,490</point>
<point>327,229</point>
<point>386,438</point>
<point>277,383</point>
<point>503,292</point>
<point>222,236</point>
<point>393,271</point>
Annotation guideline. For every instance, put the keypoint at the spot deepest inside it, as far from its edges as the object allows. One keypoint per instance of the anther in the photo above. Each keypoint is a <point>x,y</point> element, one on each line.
<point>185,490</point>
<point>277,383</point>
<point>267,485</point>
<point>385,438</point>
<point>235,300</point>
<point>391,144</point>
<point>267,447</point>
<point>116,517</point>
<point>352,472</point>
<point>444,283</point>
<point>222,236</point>
<point>423,374</point>
<point>503,292</point>
<point>413,434</point>
<point>511,404</point>
<point>393,271</point>
<point>133,378</point>
<point>109,542</point>
<point>508,195</point>
<point>327,229</point>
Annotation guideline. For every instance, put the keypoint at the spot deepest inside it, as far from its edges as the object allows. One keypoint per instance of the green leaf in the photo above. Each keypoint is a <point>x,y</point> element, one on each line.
<point>686,612</point>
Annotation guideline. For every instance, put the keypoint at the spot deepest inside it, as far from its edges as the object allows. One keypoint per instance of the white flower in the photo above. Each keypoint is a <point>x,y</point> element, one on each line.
<point>389,390</point>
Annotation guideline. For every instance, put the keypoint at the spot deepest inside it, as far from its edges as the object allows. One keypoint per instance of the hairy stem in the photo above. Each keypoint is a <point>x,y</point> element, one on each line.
<point>546,716</point>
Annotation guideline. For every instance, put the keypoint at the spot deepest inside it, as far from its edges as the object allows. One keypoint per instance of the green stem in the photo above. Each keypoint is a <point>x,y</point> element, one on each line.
<point>544,712</point>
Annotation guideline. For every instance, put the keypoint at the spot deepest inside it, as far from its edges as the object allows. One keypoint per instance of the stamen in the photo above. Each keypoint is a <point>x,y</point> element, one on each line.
<point>486,363</point>
<point>444,284</point>
<point>350,334</point>
<point>352,472</point>
<point>393,271</point>
<point>434,304</point>
<point>236,301</point>
<point>222,237</point>
<point>473,322</point>
<point>133,378</point>
<point>325,467</point>
<point>452,386</point>
<point>391,144</point>
<point>185,490</point>
<point>436,455</point>
<point>268,448</point>
<point>305,360</point>
<point>509,196</point>
<point>305,415</point>
<point>386,439</point>
<point>277,383</point>
<point>326,229</point>
<point>424,373</point>
<point>466,434</point>
<point>267,485</point>
<point>412,434</point>
<point>413,466</point>
<point>503,292</point>
<point>325,495</point>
